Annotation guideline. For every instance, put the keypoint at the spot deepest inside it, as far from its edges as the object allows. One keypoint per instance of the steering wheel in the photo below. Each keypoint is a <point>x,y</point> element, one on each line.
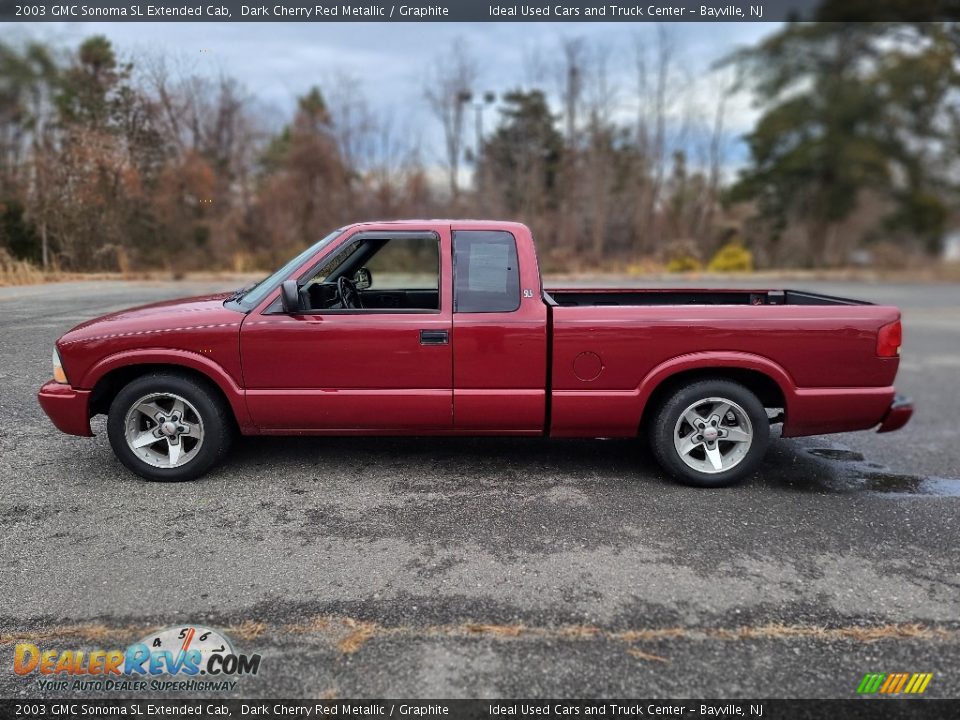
<point>349,295</point>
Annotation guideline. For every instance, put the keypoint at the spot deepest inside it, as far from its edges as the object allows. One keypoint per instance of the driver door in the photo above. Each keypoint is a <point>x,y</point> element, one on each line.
<point>379,369</point>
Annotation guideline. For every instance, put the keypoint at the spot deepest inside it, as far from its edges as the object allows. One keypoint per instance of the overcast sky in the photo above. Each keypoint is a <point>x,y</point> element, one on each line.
<point>279,61</point>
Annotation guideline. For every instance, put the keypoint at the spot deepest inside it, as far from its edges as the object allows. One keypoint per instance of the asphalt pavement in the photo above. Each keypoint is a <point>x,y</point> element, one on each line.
<point>505,568</point>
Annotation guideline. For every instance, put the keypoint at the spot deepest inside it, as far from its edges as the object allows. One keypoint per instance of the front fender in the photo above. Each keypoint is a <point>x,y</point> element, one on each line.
<point>178,358</point>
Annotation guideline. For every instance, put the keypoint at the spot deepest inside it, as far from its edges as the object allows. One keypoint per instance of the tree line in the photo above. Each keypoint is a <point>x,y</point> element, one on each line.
<point>110,165</point>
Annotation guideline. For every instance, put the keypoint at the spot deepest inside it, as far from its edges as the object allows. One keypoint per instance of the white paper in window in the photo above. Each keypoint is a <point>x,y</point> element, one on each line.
<point>488,266</point>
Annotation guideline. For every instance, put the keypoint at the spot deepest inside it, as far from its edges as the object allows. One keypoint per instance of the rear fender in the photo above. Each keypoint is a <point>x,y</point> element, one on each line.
<point>711,360</point>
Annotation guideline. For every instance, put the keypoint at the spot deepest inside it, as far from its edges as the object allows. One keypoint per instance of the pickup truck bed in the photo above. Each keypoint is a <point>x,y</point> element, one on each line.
<point>604,297</point>
<point>612,350</point>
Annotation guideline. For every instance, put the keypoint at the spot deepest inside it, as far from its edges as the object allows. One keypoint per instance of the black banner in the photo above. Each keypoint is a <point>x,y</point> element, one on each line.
<point>325,11</point>
<point>854,709</point>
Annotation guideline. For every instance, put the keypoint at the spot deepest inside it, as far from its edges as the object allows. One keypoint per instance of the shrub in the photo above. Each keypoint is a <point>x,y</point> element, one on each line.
<point>683,263</point>
<point>732,257</point>
<point>683,255</point>
<point>17,272</point>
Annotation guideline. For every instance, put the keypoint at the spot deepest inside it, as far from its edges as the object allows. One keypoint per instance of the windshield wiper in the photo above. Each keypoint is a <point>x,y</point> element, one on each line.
<point>240,292</point>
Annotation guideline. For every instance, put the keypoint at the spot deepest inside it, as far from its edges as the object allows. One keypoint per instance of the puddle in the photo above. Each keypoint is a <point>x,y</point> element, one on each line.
<point>891,483</point>
<point>871,477</point>
<point>944,487</point>
<point>833,454</point>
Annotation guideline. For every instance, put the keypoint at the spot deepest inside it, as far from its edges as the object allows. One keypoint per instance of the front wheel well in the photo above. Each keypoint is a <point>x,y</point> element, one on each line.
<point>107,387</point>
<point>761,385</point>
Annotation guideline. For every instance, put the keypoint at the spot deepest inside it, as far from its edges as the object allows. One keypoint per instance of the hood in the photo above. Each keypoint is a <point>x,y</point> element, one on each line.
<point>167,315</point>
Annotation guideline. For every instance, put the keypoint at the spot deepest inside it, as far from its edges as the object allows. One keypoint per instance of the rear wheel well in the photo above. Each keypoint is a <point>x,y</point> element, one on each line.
<point>761,385</point>
<point>113,382</point>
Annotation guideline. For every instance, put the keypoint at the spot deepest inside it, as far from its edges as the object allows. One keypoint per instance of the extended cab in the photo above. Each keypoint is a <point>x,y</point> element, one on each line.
<point>443,328</point>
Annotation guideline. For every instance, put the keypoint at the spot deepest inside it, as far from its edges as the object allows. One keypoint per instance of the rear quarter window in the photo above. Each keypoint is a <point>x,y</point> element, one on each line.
<point>486,273</point>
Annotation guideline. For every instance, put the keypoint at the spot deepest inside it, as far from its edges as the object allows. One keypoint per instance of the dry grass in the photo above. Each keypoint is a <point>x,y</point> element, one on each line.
<point>860,634</point>
<point>630,636</point>
<point>348,634</point>
<point>578,632</point>
<point>318,624</point>
<point>247,630</point>
<point>21,272</point>
<point>492,630</point>
<point>18,272</point>
<point>89,633</point>
<point>360,632</point>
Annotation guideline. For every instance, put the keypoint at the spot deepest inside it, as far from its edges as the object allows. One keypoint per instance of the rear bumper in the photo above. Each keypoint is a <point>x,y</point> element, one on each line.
<point>67,408</point>
<point>899,414</point>
<point>821,411</point>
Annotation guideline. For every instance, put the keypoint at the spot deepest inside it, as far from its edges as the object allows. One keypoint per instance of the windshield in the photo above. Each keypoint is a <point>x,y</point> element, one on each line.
<point>258,292</point>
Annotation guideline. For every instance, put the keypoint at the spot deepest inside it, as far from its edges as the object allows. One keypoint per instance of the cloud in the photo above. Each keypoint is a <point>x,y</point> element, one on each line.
<point>277,62</point>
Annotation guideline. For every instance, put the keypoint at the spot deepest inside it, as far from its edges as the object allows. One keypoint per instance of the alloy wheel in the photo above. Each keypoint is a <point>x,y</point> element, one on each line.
<point>164,430</point>
<point>713,435</point>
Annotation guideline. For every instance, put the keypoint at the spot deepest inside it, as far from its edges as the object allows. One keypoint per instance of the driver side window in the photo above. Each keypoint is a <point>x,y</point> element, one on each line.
<point>406,265</point>
<point>378,274</point>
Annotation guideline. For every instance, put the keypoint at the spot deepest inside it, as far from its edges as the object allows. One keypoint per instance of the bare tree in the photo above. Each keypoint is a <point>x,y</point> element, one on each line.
<point>717,150</point>
<point>600,100</point>
<point>655,69</point>
<point>573,69</point>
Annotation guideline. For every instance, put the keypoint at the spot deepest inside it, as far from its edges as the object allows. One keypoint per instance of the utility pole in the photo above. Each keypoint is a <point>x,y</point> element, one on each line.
<point>566,232</point>
<point>487,99</point>
<point>463,97</point>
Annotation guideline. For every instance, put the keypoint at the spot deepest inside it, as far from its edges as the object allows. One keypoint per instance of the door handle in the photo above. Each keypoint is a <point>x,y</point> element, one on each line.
<point>434,337</point>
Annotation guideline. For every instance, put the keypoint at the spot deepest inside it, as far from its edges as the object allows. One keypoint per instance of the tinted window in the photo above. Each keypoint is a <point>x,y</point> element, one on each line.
<point>486,271</point>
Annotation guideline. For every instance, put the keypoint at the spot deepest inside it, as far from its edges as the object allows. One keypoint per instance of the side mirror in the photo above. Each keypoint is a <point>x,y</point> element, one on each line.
<point>290,296</point>
<point>363,278</point>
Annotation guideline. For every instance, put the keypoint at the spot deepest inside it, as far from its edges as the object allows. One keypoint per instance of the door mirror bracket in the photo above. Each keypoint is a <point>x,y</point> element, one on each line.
<point>290,297</point>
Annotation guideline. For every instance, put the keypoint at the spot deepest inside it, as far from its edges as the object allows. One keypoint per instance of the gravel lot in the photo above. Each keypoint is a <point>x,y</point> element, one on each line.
<point>494,568</point>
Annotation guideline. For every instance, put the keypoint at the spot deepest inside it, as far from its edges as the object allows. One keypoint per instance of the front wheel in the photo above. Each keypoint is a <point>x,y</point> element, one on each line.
<point>169,427</point>
<point>710,433</point>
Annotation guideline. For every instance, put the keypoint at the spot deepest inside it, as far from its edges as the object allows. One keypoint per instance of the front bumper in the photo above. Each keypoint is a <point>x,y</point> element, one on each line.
<point>67,408</point>
<point>899,414</point>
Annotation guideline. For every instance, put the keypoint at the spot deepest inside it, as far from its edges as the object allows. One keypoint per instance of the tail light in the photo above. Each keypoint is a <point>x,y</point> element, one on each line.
<point>889,339</point>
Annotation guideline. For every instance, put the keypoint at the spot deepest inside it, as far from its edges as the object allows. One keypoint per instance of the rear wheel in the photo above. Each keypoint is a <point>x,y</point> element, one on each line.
<point>169,427</point>
<point>710,433</point>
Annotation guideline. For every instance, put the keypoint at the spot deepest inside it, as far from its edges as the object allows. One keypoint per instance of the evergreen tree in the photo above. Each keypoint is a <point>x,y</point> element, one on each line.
<point>851,108</point>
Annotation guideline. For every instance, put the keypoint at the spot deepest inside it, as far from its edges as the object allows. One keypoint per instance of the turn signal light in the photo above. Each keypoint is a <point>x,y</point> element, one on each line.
<point>889,339</point>
<point>58,374</point>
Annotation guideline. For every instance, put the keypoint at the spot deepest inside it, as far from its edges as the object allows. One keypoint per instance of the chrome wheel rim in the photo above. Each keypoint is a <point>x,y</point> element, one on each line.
<point>713,435</point>
<point>163,430</point>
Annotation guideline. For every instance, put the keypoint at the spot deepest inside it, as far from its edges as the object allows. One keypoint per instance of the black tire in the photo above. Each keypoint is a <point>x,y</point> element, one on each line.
<point>664,429</point>
<point>202,402</point>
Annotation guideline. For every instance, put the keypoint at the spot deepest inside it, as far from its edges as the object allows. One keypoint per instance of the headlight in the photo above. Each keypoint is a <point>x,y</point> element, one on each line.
<point>58,374</point>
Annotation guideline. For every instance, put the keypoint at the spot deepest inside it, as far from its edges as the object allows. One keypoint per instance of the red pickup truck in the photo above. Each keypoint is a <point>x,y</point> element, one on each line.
<point>443,328</point>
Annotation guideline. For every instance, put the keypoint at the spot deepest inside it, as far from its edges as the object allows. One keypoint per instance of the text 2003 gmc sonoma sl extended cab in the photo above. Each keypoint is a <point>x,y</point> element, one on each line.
<point>464,341</point>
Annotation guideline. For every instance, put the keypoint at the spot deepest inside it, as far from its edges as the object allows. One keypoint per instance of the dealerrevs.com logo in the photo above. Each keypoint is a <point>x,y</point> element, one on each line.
<point>191,658</point>
<point>894,683</point>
